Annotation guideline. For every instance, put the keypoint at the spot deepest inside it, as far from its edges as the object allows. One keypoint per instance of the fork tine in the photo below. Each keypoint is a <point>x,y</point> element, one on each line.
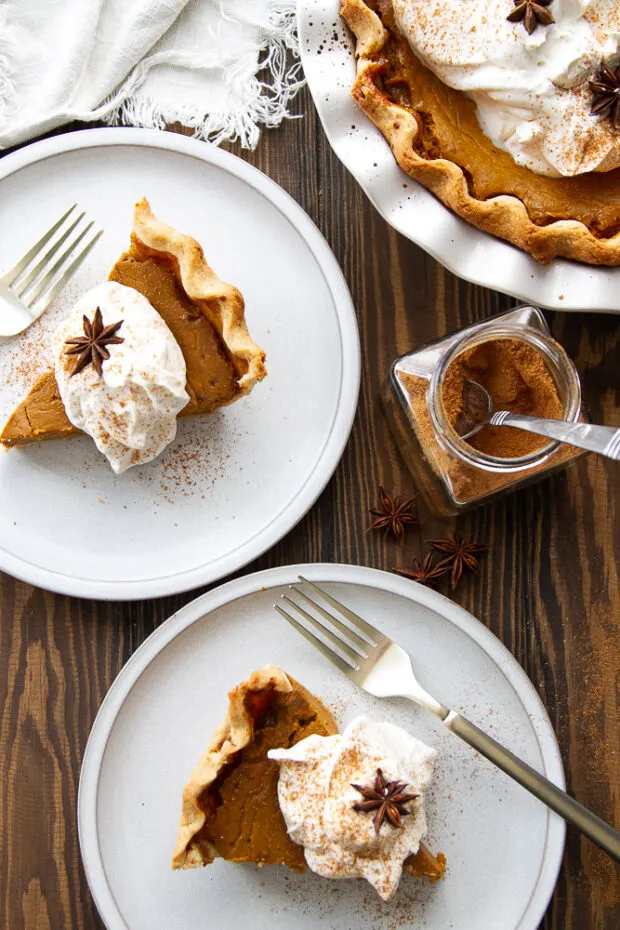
<point>375,635</point>
<point>351,651</point>
<point>47,280</point>
<point>23,263</point>
<point>48,277</point>
<point>31,277</point>
<point>329,654</point>
<point>70,271</point>
<point>345,630</point>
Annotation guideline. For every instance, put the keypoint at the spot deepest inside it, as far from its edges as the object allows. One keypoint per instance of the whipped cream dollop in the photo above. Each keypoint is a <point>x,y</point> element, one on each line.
<point>531,91</point>
<point>131,410</point>
<point>317,800</point>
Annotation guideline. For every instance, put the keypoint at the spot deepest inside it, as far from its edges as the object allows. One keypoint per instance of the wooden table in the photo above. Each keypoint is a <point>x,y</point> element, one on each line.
<point>548,587</point>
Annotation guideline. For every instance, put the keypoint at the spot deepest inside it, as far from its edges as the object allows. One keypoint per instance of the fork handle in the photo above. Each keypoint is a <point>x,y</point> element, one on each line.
<point>574,813</point>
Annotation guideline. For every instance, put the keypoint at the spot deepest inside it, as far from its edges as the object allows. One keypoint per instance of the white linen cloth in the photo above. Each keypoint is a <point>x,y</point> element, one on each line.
<point>147,63</point>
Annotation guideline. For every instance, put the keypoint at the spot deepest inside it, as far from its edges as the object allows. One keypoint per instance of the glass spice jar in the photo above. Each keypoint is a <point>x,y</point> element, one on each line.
<point>451,473</point>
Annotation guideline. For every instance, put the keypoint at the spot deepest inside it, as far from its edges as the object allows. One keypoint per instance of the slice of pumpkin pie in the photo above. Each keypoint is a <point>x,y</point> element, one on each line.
<point>197,313</point>
<point>234,804</point>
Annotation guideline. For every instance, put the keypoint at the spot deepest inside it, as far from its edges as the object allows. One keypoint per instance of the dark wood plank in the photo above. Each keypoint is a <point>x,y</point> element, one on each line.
<point>548,588</point>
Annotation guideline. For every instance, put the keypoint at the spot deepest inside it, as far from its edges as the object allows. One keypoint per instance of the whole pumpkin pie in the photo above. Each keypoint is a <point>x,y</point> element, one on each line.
<point>508,111</point>
<point>230,806</point>
<point>205,315</point>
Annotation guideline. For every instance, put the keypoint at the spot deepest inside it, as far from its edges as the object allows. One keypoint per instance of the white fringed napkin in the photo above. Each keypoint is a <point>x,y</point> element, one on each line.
<point>147,63</point>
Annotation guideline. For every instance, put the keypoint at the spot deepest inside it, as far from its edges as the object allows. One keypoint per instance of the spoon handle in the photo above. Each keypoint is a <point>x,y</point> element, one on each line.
<point>602,439</point>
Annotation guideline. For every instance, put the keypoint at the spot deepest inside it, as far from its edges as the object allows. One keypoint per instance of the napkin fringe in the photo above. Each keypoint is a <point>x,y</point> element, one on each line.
<point>266,101</point>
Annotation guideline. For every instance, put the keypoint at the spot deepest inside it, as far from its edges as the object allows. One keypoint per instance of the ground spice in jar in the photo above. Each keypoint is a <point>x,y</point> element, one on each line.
<point>467,483</point>
<point>514,357</point>
<point>518,380</point>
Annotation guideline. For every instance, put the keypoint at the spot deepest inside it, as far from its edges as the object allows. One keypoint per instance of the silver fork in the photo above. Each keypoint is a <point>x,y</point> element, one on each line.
<point>30,286</point>
<point>382,668</point>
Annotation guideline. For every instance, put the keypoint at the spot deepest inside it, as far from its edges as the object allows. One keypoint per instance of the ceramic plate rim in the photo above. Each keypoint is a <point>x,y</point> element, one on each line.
<point>238,588</point>
<point>519,276</point>
<point>344,415</point>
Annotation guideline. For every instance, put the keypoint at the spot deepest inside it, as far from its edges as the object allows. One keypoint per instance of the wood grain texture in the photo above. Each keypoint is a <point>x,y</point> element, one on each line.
<point>548,587</point>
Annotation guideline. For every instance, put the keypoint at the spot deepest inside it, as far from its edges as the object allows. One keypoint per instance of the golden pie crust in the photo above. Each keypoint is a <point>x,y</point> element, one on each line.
<point>435,137</point>
<point>230,805</point>
<point>266,711</point>
<point>206,317</point>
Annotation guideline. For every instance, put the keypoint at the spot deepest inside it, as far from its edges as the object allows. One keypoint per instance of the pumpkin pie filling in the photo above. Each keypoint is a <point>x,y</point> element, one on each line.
<point>211,376</point>
<point>243,819</point>
<point>450,129</point>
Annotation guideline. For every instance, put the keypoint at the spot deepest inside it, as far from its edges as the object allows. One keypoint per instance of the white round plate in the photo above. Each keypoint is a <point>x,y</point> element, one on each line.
<point>503,847</point>
<point>327,56</point>
<point>232,484</point>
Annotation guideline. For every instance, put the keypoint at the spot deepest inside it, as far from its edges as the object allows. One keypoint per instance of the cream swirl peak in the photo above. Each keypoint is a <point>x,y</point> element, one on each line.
<point>131,408</point>
<point>317,799</point>
<point>531,91</point>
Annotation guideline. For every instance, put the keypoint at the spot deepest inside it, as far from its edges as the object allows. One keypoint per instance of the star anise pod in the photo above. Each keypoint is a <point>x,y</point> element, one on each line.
<point>458,554</point>
<point>91,348</point>
<point>606,92</point>
<point>424,570</point>
<point>392,515</point>
<point>531,13</point>
<point>387,798</point>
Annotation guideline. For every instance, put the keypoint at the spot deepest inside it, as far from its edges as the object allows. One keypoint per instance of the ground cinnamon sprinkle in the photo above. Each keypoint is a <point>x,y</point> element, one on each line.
<point>516,377</point>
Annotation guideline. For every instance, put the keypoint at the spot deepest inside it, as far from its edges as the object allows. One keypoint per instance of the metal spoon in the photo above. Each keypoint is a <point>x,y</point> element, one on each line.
<point>478,413</point>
